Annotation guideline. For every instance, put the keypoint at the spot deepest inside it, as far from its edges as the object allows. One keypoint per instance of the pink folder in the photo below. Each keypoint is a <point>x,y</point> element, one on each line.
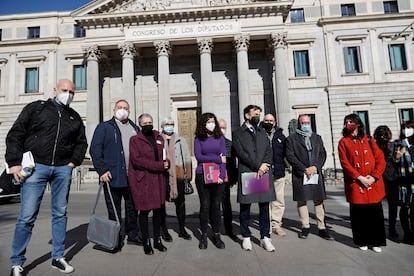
<point>211,173</point>
<point>253,185</point>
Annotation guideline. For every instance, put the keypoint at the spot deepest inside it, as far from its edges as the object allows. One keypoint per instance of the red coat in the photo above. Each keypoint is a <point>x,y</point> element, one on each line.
<point>146,176</point>
<point>360,157</point>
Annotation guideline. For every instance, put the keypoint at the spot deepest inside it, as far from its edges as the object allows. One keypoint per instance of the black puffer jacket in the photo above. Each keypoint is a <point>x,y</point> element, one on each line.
<point>55,136</point>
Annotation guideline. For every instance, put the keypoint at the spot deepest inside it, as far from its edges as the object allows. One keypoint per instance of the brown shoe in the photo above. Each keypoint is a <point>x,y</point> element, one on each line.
<point>279,231</point>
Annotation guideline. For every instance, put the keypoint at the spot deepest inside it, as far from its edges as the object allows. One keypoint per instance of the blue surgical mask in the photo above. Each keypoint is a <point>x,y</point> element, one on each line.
<point>306,128</point>
<point>169,130</point>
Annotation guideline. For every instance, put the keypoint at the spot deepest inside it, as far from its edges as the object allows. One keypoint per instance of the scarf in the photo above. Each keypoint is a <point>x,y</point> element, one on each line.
<point>308,142</point>
<point>406,169</point>
<point>172,176</point>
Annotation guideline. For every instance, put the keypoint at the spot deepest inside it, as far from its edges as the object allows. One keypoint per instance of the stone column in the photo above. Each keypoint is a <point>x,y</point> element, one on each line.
<point>163,49</point>
<point>128,52</point>
<point>205,45</point>
<point>93,56</point>
<point>241,44</point>
<point>281,92</point>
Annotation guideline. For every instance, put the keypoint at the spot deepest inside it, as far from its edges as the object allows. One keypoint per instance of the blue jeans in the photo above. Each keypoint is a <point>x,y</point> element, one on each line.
<point>264,220</point>
<point>31,196</point>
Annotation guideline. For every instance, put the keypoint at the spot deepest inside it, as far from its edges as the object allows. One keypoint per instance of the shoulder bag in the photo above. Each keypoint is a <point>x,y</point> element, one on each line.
<point>103,231</point>
<point>188,188</point>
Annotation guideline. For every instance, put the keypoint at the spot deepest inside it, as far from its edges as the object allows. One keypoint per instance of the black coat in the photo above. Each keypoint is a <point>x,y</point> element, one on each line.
<point>297,155</point>
<point>251,151</point>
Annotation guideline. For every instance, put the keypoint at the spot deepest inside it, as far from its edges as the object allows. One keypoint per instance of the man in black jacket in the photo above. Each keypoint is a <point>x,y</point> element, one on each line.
<point>55,135</point>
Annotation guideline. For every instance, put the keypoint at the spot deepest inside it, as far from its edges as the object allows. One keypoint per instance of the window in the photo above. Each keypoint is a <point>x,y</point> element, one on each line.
<point>301,63</point>
<point>390,7</point>
<point>313,122</point>
<point>32,80</point>
<point>79,77</point>
<point>1,34</point>
<point>365,120</point>
<point>398,60</point>
<point>79,31</point>
<point>296,15</point>
<point>352,60</point>
<point>406,114</point>
<point>33,32</point>
<point>348,10</point>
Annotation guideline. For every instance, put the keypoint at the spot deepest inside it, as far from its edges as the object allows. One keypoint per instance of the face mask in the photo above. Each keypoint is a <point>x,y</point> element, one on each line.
<point>121,114</point>
<point>267,126</point>
<point>147,129</point>
<point>210,126</point>
<point>408,132</point>
<point>64,98</point>
<point>306,128</point>
<point>255,120</point>
<point>169,130</point>
<point>350,127</point>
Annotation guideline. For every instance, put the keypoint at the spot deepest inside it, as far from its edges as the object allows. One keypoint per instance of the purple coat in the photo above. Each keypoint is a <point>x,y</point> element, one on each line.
<point>146,176</point>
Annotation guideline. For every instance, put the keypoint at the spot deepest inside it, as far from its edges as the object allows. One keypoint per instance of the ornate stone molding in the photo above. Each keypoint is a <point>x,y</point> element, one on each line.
<point>279,40</point>
<point>128,50</point>
<point>163,47</point>
<point>93,53</point>
<point>205,45</point>
<point>242,42</point>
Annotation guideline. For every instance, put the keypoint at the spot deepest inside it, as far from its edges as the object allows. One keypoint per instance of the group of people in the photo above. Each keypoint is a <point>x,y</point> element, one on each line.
<point>147,168</point>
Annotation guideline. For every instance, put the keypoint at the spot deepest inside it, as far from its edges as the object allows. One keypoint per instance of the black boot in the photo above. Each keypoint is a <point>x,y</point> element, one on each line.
<point>158,244</point>
<point>203,241</point>
<point>218,242</point>
<point>147,247</point>
<point>165,235</point>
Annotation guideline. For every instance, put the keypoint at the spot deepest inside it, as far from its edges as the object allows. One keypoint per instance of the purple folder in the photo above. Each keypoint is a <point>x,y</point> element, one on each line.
<point>211,173</point>
<point>252,185</point>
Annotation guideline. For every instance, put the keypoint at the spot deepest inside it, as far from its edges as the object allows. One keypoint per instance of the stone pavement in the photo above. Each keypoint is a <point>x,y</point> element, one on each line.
<point>293,256</point>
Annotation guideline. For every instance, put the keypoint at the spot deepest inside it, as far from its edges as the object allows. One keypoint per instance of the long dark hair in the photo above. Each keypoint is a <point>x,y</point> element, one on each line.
<point>383,136</point>
<point>357,120</point>
<point>201,130</point>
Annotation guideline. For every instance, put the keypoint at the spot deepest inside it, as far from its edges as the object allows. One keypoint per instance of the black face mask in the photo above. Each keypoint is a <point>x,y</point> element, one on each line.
<point>147,130</point>
<point>267,126</point>
<point>255,120</point>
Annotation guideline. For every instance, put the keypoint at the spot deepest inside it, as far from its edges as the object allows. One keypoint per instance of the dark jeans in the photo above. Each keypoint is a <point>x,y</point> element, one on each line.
<point>210,196</point>
<point>156,223</point>
<point>407,218</point>
<point>227,210</point>
<point>131,223</point>
<point>391,190</point>
<point>264,220</point>
<point>179,207</point>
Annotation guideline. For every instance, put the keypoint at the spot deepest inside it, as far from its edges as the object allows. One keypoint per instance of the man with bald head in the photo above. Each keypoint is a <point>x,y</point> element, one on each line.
<point>55,135</point>
<point>277,142</point>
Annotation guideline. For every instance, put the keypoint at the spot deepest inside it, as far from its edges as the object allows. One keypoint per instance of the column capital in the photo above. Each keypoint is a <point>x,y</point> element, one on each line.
<point>127,50</point>
<point>163,47</point>
<point>93,53</point>
<point>242,42</point>
<point>279,40</point>
<point>205,45</point>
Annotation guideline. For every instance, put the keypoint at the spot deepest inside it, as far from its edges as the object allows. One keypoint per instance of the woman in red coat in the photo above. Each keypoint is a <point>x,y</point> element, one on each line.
<point>363,164</point>
<point>146,174</point>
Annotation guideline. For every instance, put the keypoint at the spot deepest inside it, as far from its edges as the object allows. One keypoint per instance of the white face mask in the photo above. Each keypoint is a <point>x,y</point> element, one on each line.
<point>121,114</point>
<point>210,126</point>
<point>408,132</point>
<point>64,98</point>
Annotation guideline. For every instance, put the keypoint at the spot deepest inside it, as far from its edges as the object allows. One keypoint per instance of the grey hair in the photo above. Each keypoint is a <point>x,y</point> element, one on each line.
<point>144,115</point>
<point>166,120</point>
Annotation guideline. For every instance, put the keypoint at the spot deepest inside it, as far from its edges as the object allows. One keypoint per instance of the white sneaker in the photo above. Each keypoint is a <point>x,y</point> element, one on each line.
<point>16,270</point>
<point>377,249</point>
<point>62,265</point>
<point>267,244</point>
<point>247,244</point>
<point>363,248</point>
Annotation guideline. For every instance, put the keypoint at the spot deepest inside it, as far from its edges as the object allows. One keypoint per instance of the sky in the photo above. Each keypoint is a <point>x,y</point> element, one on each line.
<point>28,6</point>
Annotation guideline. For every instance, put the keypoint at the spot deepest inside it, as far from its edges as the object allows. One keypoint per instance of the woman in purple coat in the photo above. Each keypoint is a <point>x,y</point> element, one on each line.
<point>210,147</point>
<point>147,167</point>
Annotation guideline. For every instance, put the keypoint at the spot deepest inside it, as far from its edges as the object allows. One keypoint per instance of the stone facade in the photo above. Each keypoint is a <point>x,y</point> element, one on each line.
<point>216,56</point>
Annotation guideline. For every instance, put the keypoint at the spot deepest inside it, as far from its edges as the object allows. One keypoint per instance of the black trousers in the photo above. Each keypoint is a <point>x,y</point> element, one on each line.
<point>391,191</point>
<point>179,207</point>
<point>211,196</point>
<point>227,210</point>
<point>156,223</point>
<point>131,215</point>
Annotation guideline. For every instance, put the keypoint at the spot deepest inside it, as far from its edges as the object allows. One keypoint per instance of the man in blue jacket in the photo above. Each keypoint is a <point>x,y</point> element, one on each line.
<point>110,155</point>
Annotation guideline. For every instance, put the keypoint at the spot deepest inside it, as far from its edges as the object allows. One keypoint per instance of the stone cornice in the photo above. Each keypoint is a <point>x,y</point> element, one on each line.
<point>364,18</point>
<point>23,42</point>
<point>185,15</point>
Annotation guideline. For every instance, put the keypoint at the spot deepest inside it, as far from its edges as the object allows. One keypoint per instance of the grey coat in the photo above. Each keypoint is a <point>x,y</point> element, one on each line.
<point>251,152</point>
<point>297,155</point>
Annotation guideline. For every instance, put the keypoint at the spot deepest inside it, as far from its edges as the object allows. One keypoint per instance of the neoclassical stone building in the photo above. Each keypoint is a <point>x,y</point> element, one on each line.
<point>179,58</point>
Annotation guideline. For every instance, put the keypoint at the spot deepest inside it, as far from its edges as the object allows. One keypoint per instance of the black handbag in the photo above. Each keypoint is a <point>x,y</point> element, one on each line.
<point>103,231</point>
<point>188,187</point>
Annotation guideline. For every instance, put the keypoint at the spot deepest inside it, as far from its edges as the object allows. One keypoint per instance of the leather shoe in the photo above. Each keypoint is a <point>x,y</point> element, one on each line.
<point>323,233</point>
<point>218,242</point>
<point>183,234</point>
<point>137,240</point>
<point>304,234</point>
<point>203,242</point>
<point>158,244</point>
<point>166,236</point>
<point>148,248</point>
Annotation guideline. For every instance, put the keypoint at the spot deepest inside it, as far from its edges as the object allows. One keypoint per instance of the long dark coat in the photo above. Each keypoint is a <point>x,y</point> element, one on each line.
<point>297,155</point>
<point>146,175</point>
<point>251,152</point>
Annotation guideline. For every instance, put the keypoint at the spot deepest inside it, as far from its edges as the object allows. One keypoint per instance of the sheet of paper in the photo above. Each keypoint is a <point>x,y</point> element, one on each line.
<point>313,180</point>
